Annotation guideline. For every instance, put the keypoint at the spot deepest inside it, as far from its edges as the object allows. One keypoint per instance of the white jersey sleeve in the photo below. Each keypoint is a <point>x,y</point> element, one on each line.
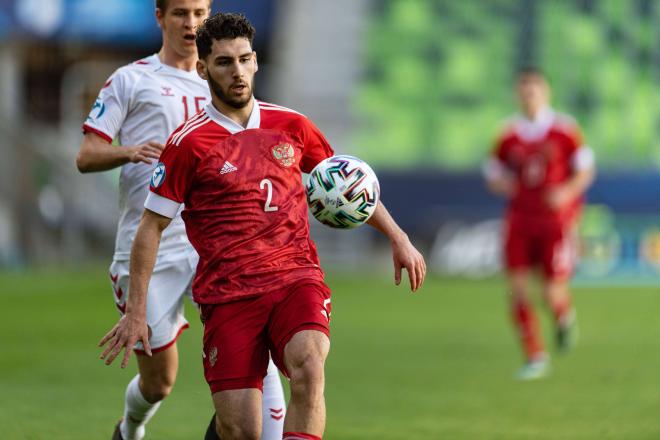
<point>111,106</point>
<point>583,158</point>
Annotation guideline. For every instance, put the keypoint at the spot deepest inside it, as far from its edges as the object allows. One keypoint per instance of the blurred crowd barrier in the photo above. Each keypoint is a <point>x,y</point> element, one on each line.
<point>416,88</point>
<point>618,238</point>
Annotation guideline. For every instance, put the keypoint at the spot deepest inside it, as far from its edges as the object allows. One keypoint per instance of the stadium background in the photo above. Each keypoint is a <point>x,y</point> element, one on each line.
<point>417,88</point>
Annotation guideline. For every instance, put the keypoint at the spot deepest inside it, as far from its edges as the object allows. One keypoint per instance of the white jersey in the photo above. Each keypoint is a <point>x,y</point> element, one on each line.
<point>145,101</point>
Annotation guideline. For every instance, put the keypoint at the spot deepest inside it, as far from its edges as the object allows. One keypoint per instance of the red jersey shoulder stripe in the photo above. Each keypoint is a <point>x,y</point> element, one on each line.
<point>182,127</point>
<point>198,123</point>
<point>273,107</point>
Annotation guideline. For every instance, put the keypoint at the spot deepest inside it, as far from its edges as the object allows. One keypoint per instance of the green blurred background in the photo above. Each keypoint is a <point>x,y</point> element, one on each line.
<point>419,89</point>
<point>439,74</point>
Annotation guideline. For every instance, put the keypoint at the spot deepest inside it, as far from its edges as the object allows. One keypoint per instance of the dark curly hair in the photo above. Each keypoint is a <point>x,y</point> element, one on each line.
<point>222,26</point>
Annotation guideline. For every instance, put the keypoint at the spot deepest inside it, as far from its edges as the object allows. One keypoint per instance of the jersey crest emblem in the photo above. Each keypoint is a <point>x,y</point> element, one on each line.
<point>167,91</point>
<point>213,356</point>
<point>284,154</point>
<point>158,177</point>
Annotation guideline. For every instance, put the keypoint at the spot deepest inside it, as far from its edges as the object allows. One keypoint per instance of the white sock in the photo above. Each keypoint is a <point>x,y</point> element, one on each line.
<point>274,406</point>
<point>137,412</point>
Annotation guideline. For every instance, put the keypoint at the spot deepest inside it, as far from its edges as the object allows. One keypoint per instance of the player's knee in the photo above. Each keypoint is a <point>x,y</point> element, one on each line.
<point>518,292</point>
<point>518,295</point>
<point>158,387</point>
<point>238,430</point>
<point>308,376</point>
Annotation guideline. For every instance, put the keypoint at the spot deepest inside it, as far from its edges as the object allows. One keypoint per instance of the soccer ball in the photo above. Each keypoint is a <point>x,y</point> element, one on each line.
<point>342,192</point>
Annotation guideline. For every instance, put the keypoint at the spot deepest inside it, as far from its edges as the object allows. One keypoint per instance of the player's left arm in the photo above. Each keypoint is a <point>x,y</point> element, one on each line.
<point>404,254</point>
<point>584,173</point>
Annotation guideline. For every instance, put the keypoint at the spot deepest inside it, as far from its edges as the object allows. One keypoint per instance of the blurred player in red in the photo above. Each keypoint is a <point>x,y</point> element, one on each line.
<point>140,105</point>
<point>236,167</point>
<point>542,168</point>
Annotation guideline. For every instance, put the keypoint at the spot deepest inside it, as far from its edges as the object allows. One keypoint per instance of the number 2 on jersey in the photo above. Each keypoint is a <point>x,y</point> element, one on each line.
<point>266,183</point>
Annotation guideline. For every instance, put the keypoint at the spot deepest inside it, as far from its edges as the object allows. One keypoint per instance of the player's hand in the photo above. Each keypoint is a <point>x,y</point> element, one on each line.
<point>125,334</point>
<point>406,256</point>
<point>145,152</point>
<point>558,197</point>
<point>504,186</point>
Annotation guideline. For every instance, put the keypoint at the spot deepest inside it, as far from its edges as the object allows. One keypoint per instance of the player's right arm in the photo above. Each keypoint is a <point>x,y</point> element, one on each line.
<point>499,180</point>
<point>498,176</point>
<point>102,125</point>
<point>169,185</point>
<point>132,327</point>
<point>97,154</point>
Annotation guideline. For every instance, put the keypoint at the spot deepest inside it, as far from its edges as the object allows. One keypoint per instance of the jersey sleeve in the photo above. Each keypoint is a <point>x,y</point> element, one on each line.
<point>581,155</point>
<point>495,164</point>
<point>171,179</point>
<point>499,152</point>
<point>110,108</point>
<point>574,137</point>
<point>316,146</point>
<point>583,159</point>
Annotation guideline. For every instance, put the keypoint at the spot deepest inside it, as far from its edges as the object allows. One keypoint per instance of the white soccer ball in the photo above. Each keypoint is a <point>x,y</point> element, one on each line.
<point>342,192</point>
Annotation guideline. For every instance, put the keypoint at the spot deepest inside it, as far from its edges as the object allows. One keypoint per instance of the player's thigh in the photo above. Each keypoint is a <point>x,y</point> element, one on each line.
<point>518,252</point>
<point>302,307</point>
<point>169,284</point>
<point>235,343</point>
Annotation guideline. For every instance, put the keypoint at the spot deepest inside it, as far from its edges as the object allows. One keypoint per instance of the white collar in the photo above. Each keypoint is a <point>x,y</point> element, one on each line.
<point>159,65</point>
<point>229,124</point>
<point>535,129</point>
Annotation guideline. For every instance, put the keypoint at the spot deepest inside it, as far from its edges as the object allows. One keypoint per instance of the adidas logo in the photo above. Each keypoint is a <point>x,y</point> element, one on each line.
<point>228,168</point>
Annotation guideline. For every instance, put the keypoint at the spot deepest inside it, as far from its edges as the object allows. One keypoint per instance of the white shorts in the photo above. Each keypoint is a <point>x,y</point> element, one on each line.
<point>170,282</point>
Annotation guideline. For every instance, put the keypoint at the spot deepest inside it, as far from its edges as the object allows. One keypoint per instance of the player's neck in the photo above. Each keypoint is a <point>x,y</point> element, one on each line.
<point>239,115</point>
<point>534,113</point>
<point>172,59</point>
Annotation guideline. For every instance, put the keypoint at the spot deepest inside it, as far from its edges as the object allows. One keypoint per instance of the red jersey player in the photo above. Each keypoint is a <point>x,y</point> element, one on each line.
<point>236,166</point>
<point>542,167</point>
<point>139,106</point>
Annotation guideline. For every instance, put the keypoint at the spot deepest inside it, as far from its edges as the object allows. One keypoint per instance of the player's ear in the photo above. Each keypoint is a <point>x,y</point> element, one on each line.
<point>201,69</point>
<point>159,17</point>
<point>256,65</point>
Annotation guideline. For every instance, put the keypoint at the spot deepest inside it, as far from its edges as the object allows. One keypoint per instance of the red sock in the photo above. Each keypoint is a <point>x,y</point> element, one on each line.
<point>299,436</point>
<point>527,325</point>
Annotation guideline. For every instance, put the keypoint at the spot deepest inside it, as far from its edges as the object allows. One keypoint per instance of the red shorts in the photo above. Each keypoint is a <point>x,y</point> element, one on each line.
<point>238,335</point>
<point>549,245</point>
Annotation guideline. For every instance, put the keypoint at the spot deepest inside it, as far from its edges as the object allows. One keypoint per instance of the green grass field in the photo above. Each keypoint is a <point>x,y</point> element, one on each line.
<point>435,365</point>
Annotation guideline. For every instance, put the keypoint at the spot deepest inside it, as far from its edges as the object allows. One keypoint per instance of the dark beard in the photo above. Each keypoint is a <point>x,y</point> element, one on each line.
<point>234,103</point>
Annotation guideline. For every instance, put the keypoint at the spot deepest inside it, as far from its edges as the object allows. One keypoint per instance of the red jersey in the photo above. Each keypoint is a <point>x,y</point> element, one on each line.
<point>540,154</point>
<point>245,206</point>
